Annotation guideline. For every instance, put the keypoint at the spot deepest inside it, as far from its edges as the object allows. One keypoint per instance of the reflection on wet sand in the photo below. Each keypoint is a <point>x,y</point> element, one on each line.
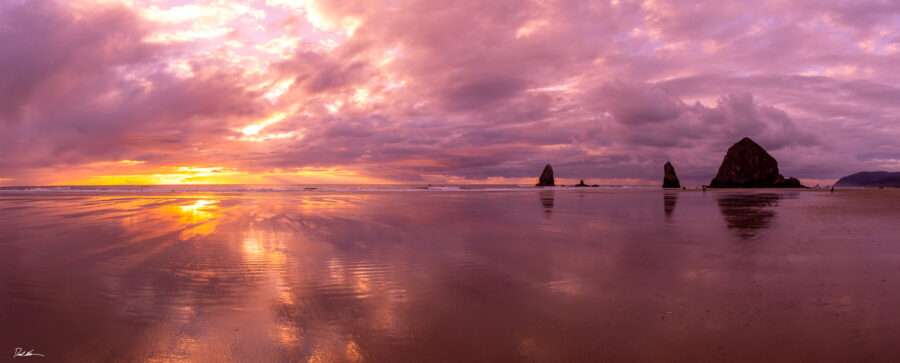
<point>748,213</point>
<point>197,218</point>
<point>669,200</point>
<point>443,276</point>
<point>547,200</point>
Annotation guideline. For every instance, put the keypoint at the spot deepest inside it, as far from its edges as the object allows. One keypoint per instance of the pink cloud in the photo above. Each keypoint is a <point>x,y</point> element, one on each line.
<point>407,89</point>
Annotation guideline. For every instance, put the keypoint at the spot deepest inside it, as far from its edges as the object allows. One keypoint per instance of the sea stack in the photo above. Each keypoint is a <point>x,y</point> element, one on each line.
<point>581,183</point>
<point>748,165</point>
<point>670,180</point>
<point>546,179</point>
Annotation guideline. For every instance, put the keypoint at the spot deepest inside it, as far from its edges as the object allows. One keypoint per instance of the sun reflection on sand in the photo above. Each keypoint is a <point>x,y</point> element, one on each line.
<point>197,207</point>
<point>319,276</point>
<point>348,353</point>
<point>197,219</point>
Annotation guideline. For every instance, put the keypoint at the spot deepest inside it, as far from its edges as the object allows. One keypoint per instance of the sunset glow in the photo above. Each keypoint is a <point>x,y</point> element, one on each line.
<point>157,92</point>
<point>450,181</point>
<point>195,175</point>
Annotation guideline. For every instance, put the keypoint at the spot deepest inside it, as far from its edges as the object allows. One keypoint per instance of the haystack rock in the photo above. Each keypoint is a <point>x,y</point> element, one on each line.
<point>670,180</point>
<point>748,165</point>
<point>546,179</point>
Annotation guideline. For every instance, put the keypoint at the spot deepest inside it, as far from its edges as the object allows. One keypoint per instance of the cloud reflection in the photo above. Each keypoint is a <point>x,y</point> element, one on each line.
<point>424,276</point>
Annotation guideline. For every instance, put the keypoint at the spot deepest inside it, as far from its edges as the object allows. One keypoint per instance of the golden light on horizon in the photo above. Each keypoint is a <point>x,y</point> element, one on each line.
<point>178,175</point>
<point>192,175</point>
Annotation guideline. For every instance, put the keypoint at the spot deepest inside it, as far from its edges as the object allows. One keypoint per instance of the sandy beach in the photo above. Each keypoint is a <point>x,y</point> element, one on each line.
<point>534,275</point>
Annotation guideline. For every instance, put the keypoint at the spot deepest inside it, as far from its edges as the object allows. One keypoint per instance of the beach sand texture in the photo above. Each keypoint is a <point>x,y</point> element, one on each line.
<point>443,276</point>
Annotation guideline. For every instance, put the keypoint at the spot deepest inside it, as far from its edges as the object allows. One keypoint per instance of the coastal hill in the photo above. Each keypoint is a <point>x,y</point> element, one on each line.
<point>748,165</point>
<point>870,179</point>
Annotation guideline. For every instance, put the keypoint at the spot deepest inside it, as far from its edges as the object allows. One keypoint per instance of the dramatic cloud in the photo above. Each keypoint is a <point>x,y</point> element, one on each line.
<point>423,91</point>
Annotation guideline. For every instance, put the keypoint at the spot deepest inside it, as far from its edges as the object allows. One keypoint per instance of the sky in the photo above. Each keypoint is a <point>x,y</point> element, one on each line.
<point>415,91</point>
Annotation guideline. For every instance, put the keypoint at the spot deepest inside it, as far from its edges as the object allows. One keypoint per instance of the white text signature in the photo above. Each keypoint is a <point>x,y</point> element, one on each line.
<point>26,353</point>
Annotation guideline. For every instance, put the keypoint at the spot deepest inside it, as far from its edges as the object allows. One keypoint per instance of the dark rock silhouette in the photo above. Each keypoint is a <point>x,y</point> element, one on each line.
<point>748,165</point>
<point>581,183</point>
<point>870,179</point>
<point>670,180</point>
<point>546,179</point>
<point>792,182</point>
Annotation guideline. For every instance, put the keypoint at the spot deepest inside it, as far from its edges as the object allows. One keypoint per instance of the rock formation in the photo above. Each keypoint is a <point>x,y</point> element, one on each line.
<point>748,165</point>
<point>581,183</point>
<point>546,179</point>
<point>670,180</point>
<point>870,179</point>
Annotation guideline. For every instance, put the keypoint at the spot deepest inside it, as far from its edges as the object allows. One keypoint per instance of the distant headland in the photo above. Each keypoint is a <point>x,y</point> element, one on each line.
<point>879,179</point>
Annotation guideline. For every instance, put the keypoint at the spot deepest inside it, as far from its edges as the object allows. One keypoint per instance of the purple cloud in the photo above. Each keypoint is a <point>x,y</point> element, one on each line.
<point>418,90</point>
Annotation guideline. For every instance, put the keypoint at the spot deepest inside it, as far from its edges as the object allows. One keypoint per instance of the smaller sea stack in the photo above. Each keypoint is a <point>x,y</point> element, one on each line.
<point>546,179</point>
<point>670,180</point>
<point>581,183</point>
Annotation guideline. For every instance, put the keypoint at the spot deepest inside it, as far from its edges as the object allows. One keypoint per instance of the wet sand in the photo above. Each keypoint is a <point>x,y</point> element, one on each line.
<point>550,276</point>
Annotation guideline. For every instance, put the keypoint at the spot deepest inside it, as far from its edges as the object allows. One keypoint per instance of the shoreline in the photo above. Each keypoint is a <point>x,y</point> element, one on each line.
<point>160,190</point>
